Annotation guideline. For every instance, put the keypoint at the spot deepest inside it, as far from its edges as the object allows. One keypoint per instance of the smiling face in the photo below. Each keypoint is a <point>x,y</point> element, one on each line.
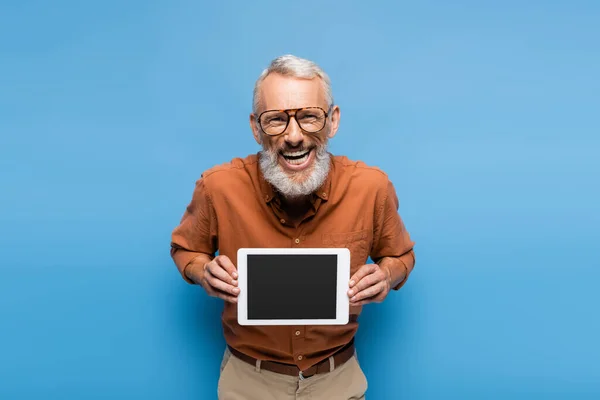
<point>296,162</point>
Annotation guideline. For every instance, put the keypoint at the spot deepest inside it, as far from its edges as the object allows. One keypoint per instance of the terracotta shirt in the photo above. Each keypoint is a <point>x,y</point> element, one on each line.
<point>233,207</point>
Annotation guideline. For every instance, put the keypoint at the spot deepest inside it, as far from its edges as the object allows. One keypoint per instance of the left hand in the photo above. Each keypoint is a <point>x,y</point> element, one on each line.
<point>370,284</point>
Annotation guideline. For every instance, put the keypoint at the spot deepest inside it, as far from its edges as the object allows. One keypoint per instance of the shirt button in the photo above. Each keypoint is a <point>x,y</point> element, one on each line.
<point>297,241</point>
<point>298,334</point>
<point>299,358</point>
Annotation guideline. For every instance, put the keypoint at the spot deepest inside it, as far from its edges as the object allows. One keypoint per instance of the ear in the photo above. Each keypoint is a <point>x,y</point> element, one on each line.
<point>255,130</point>
<point>335,121</point>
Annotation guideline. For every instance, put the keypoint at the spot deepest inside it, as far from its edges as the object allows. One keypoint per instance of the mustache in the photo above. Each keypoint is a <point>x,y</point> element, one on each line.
<point>272,151</point>
<point>285,148</point>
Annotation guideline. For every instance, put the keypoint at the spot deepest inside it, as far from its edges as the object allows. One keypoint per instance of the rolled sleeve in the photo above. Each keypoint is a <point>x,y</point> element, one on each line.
<point>196,234</point>
<point>392,245</point>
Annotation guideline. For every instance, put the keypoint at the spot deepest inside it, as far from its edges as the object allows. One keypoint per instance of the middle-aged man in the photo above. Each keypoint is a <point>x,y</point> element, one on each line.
<point>293,193</point>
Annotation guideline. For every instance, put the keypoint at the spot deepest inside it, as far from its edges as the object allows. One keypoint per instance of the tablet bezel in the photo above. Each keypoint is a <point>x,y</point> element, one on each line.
<point>343,278</point>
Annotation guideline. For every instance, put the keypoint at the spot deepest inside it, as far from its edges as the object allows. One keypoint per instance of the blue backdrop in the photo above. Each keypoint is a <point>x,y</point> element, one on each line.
<point>484,116</point>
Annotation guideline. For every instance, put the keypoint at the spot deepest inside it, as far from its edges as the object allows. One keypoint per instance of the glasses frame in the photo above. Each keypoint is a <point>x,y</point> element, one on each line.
<point>290,116</point>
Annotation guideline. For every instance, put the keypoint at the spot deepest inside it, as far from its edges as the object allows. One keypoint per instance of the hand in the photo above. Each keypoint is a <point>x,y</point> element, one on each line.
<point>219,278</point>
<point>370,284</point>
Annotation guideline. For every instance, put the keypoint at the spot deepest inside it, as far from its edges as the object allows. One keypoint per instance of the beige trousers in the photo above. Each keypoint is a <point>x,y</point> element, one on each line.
<point>242,381</point>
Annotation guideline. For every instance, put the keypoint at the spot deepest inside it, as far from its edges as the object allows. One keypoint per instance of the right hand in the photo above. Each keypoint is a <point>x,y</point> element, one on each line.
<point>219,278</point>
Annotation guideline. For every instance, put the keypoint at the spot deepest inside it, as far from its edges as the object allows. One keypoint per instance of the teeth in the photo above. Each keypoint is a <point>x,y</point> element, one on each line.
<point>295,153</point>
<point>298,161</point>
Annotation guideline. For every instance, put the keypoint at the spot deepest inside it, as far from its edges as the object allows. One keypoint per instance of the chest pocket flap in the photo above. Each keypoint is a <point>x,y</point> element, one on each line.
<point>344,238</point>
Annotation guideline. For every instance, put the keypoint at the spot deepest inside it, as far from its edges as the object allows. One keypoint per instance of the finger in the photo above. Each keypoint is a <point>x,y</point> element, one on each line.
<point>226,297</point>
<point>227,265</point>
<point>217,293</point>
<point>362,272</point>
<point>369,292</point>
<point>215,269</point>
<point>218,284</point>
<point>363,302</point>
<point>366,282</point>
<point>377,299</point>
<point>209,289</point>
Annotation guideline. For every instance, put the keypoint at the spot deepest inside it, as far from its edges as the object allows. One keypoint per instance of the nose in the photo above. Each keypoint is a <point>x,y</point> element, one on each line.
<point>293,133</point>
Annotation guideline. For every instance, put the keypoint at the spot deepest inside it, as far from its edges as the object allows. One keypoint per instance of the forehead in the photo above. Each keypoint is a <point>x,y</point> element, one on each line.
<point>282,92</point>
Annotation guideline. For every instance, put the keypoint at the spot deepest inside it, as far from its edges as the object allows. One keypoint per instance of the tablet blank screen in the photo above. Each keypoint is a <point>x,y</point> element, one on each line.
<point>292,286</point>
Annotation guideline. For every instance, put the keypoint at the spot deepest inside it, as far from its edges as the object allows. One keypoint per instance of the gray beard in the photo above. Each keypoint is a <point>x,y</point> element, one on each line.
<point>298,184</point>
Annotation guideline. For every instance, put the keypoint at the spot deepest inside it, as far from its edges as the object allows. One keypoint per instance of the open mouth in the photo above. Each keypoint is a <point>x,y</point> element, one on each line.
<point>296,157</point>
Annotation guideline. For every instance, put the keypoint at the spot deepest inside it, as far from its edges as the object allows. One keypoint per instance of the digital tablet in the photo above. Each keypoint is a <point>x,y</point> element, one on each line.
<point>291,286</point>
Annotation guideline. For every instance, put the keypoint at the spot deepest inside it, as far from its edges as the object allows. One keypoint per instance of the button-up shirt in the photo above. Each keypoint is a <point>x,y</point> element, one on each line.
<point>234,207</point>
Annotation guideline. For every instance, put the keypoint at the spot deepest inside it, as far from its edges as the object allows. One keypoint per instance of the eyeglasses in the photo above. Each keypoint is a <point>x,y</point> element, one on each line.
<point>310,119</point>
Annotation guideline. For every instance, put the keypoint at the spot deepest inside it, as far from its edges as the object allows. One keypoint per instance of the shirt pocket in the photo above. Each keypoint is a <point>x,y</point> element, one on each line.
<point>356,241</point>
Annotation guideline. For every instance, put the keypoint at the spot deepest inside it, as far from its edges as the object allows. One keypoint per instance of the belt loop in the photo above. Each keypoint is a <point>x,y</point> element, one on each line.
<point>257,366</point>
<point>331,364</point>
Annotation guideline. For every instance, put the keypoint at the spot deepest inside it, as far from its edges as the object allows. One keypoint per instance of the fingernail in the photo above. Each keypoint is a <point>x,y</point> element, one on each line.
<point>234,282</point>
<point>353,299</point>
<point>351,283</point>
<point>351,292</point>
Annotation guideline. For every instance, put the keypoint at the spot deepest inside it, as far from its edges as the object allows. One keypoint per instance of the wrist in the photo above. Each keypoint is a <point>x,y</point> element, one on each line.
<point>388,274</point>
<point>194,270</point>
<point>394,269</point>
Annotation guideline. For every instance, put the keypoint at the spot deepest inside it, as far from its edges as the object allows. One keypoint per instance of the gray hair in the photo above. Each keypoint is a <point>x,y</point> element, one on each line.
<point>289,65</point>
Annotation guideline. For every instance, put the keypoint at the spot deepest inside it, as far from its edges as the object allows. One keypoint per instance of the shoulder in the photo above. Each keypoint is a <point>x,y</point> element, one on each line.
<point>233,167</point>
<point>364,181</point>
<point>232,172</point>
<point>359,172</point>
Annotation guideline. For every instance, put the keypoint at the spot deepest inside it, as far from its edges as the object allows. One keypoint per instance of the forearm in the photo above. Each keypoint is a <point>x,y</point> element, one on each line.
<point>195,238</point>
<point>398,268</point>
<point>183,260</point>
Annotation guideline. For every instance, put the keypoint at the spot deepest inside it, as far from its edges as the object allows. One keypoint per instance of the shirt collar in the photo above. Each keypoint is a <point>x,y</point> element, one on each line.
<point>267,190</point>
<point>324,192</point>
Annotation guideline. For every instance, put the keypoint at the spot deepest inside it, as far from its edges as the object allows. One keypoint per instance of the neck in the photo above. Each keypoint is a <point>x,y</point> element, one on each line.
<point>296,201</point>
<point>296,206</point>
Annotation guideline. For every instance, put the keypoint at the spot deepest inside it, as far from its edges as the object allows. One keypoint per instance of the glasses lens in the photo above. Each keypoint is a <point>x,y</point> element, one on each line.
<point>273,122</point>
<point>311,119</point>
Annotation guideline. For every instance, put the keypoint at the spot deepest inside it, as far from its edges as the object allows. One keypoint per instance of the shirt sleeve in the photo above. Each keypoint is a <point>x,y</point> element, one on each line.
<point>196,233</point>
<point>391,240</point>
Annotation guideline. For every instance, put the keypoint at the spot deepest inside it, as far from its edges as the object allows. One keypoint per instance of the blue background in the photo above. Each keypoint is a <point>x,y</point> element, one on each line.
<point>485,116</point>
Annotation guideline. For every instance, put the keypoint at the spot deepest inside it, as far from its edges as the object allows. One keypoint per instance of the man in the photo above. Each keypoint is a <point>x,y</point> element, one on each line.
<point>293,193</point>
